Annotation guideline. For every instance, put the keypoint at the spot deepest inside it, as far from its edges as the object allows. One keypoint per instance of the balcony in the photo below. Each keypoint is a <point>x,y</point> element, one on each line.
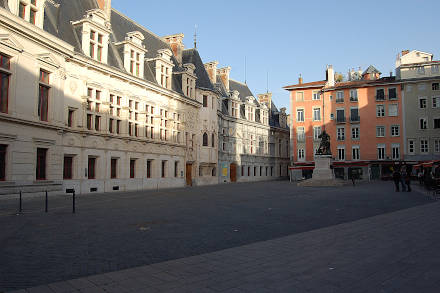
<point>380,98</point>
<point>354,99</point>
<point>340,119</point>
<point>355,119</point>
<point>339,100</point>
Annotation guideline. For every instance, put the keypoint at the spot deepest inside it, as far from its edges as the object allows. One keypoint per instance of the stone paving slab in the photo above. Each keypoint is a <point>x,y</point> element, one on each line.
<point>395,252</point>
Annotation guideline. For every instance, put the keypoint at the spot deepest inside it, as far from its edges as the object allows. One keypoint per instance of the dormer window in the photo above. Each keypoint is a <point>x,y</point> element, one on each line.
<point>95,34</point>
<point>134,53</point>
<point>135,63</point>
<point>96,45</point>
<point>29,10</point>
<point>163,67</point>
<point>250,113</point>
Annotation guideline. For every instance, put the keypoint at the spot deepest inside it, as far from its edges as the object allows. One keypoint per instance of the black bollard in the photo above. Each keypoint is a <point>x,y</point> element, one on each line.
<point>46,209</point>
<point>21,204</point>
<point>73,202</point>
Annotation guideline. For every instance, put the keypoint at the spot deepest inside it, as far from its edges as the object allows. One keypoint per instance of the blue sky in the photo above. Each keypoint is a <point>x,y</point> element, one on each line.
<point>286,38</point>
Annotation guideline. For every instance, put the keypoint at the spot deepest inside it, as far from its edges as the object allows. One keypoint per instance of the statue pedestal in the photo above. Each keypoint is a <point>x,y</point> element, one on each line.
<point>322,169</point>
<point>322,174</point>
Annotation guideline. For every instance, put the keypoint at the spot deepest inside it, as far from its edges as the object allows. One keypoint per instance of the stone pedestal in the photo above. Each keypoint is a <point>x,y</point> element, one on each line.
<point>322,174</point>
<point>322,169</point>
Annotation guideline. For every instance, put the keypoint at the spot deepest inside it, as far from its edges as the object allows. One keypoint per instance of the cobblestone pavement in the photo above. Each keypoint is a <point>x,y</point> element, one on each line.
<point>183,240</point>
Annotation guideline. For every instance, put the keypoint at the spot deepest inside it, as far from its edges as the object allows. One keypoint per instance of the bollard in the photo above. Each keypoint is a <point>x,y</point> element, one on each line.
<point>21,204</point>
<point>73,202</point>
<point>46,209</point>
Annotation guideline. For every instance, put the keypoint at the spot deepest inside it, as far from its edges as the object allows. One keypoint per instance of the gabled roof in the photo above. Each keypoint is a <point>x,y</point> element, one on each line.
<point>313,84</point>
<point>192,56</point>
<point>371,70</point>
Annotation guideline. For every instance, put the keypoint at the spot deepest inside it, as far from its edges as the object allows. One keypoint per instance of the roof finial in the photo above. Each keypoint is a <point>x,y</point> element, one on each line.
<point>195,36</point>
<point>245,70</point>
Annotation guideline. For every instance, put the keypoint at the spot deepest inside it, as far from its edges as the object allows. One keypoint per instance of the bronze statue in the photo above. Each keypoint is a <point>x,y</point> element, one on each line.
<point>324,147</point>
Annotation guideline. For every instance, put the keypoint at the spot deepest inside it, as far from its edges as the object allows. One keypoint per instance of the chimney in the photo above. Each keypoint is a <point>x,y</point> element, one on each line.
<point>330,76</point>
<point>300,79</point>
<point>106,6</point>
<point>211,68</point>
<point>404,52</point>
<point>224,76</point>
<point>265,98</point>
<point>176,44</point>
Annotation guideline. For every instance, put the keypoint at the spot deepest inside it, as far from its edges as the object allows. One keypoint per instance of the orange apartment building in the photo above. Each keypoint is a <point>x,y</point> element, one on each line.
<point>363,117</point>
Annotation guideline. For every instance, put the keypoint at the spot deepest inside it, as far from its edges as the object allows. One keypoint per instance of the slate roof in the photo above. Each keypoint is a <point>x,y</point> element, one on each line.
<point>371,69</point>
<point>243,89</point>
<point>58,20</point>
<point>192,56</point>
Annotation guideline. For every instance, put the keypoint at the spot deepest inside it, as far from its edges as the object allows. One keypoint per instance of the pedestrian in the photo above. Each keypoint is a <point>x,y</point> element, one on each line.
<point>396,179</point>
<point>402,177</point>
<point>420,176</point>
<point>352,178</point>
<point>408,181</point>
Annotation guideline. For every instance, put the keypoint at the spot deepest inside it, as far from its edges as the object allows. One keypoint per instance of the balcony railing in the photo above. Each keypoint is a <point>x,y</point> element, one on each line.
<point>339,100</point>
<point>354,99</point>
<point>355,118</point>
<point>340,120</point>
<point>380,98</point>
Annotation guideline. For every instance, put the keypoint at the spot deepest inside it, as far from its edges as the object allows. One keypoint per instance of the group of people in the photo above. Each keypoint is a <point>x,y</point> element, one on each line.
<point>401,176</point>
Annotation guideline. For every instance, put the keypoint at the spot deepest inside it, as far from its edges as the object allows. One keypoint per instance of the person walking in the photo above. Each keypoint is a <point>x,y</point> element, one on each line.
<point>420,175</point>
<point>396,179</point>
<point>402,177</point>
<point>408,180</point>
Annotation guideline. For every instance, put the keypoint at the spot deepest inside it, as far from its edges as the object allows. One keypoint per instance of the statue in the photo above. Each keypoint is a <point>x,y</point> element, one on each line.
<point>324,147</point>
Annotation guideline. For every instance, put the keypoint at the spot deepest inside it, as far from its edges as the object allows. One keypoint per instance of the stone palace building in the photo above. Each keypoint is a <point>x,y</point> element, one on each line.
<point>93,101</point>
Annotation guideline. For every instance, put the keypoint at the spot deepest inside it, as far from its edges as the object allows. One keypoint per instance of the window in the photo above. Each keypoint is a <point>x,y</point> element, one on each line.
<point>395,151</point>
<point>22,10</point>
<point>92,168</point>
<point>96,45</point>
<point>421,86</point>
<point>110,125</point>
<point>70,117</point>
<point>68,167</point>
<point>355,132</point>
<point>43,98</point>
<point>316,96</point>
<point>422,102</point>
<point>300,96</point>
<point>205,139</point>
<point>380,95</point>
<point>341,133</point>
<point>436,102</point>
<point>213,140</point>
<point>355,152</point>
<point>5,62</point>
<point>300,134</point>
<point>423,123</point>
<point>3,149</point>
<point>392,110</point>
<point>130,129</point>
<point>149,163</point>
<point>437,145</point>
<point>395,130</point>
<point>381,152</point>
<point>421,70</point>
<point>411,147</point>
<point>135,63</point>
<point>41,164</point>
<point>163,171</point>
<point>341,153</point>
<point>340,115</point>
<point>354,115</point>
<point>392,93</point>
<point>436,123</point>
<point>300,115</point>
<point>353,95</point>
<point>317,114</point>
<point>132,168</point>
<point>301,154</point>
<point>380,111</point>
<point>316,132</point>
<point>176,169</point>
<point>380,131</point>
<point>339,97</point>
<point>255,171</point>
<point>118,126</point>
<point>435,86</point>
<point>424,146</point>
<point>97,122</point>
<point>205,101</point>
<point>113,168</point>
<point>89,121</point>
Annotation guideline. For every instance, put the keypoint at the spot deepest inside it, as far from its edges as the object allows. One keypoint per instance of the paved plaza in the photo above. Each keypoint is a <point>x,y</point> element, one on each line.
<point>260,237</point>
